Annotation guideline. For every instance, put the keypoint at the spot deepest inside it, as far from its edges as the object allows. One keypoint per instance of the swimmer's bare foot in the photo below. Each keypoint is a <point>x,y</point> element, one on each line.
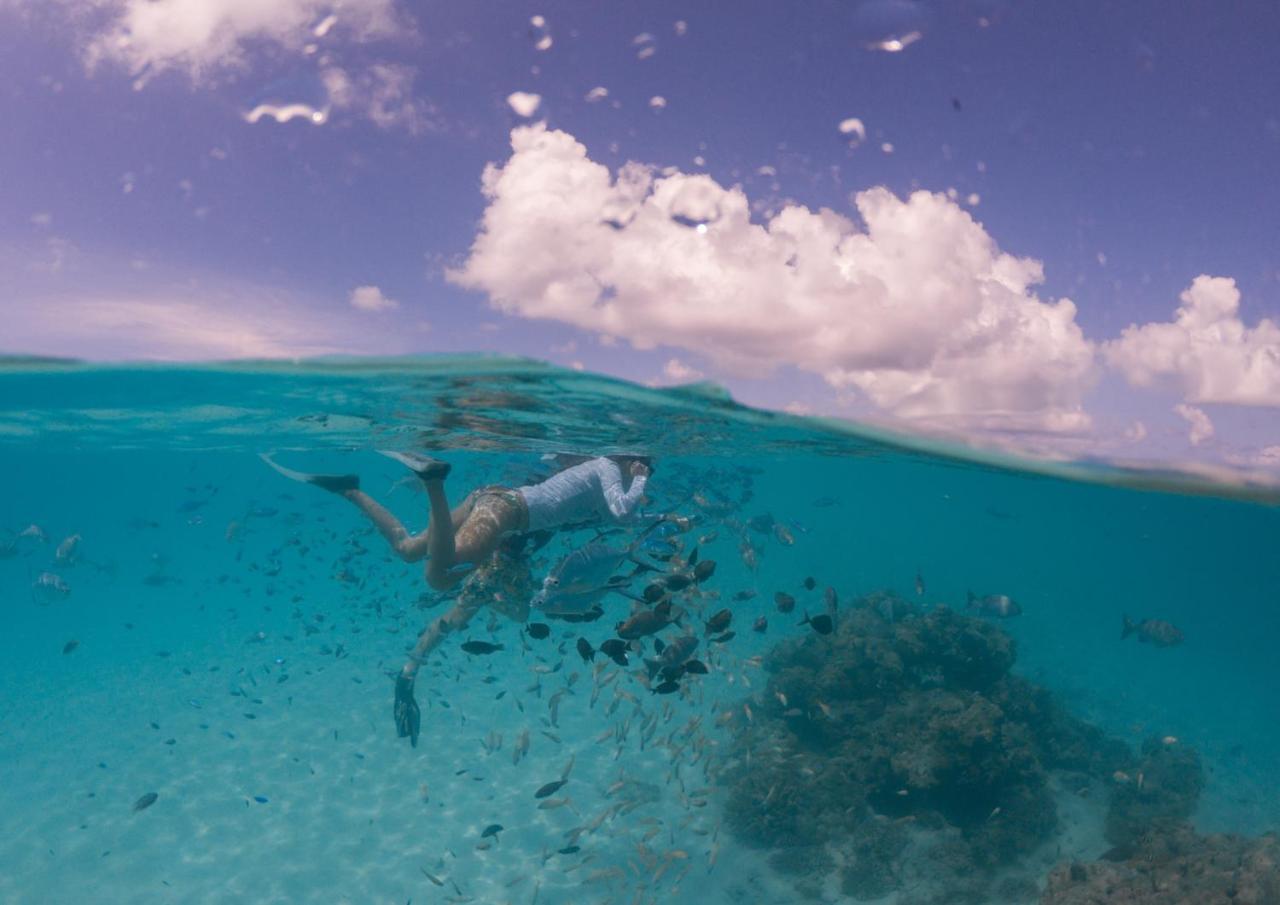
<point>425,467</point>
<point>334,483</point>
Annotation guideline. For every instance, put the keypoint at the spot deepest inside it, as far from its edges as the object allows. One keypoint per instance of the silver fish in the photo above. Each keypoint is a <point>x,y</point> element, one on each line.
<point>67,550</point>
<point>578,581</point>
<point>48,588</point>
<point>1001,605</point>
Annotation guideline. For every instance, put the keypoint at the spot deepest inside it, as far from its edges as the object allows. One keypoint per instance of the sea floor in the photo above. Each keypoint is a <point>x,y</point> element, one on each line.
<point>299,791</point>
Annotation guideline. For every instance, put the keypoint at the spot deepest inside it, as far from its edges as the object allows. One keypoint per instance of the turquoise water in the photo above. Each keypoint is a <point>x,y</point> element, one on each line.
<point>235,632</point>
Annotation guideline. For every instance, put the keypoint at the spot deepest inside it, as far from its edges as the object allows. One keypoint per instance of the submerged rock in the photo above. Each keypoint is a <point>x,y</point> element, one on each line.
<point>1157,796</point>
<point>1176,868</point>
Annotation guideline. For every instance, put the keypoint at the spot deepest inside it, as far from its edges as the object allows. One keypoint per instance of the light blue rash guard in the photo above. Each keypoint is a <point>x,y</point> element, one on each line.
<point>591,491</point>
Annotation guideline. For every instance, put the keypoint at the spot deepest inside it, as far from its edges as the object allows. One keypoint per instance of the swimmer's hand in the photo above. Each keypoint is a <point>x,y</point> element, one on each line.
<point>639,469</point>
<point>406,710</point>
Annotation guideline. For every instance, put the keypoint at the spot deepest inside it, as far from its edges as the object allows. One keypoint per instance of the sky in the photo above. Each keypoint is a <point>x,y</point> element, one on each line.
<point>1052,227</point>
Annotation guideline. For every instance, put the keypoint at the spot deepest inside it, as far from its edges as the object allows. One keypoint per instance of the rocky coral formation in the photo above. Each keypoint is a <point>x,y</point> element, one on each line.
<point>903,725</point>
<point>1157,857</point>
<point>1158,797</point>
<point>1175,868</point>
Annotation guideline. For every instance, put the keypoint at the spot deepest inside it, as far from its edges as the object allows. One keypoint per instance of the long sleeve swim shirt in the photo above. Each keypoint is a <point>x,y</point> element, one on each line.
<point>587,492</point>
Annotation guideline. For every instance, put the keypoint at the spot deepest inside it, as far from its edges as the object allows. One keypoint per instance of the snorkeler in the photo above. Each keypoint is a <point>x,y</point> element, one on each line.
<point>483,538</point>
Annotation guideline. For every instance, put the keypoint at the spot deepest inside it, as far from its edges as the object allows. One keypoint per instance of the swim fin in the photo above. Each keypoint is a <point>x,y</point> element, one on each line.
<point>425,467</point>
<point>407,715</point>
<point>335,483</point>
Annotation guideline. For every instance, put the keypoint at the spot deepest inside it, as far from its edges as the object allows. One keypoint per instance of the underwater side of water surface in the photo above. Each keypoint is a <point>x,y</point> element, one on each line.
<point>198,566</point>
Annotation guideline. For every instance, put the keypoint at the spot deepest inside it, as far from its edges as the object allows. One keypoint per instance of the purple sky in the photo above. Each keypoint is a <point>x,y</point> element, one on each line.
<point>874,209</point>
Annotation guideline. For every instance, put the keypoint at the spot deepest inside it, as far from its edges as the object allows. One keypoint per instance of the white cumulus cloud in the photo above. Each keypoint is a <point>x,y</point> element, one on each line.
<point>916,307</point>
<point>370,298</point>
<point>171,328</point>
<point>1201,427</point>
<point>679,372</point>
<point>282,113</point>
<point>383,92</point>
<point>523,103</point>
<point>1206,351</point>
<point>1136,432</point>
<point>202,37</point>
<point>854,128</point>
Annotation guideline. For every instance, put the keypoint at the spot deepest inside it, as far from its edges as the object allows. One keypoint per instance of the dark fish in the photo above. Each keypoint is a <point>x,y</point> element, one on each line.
<point>721,639</point>
<point>786,603</point>
<point>761,624</point>
<point>1152,631</point>
<point>260,799</point>
<point>671,656</point>
<point>744,595</point>
<point>70,646</point>
<point>677,581</point>
<point>590,615</point>
<point>481,647</point>
<point>667,687</point>
<point>646,622</point>
<point>616,650</point>
<point>585,650</point>
<point>654,592</point>
<point>704,570</point>
<point>671,673</point>
<point>696,668</point>
<point>823,502</point>
<point>492,829</point>
<point>569,850</point>
<point>145,801</point>
<point>538,630</point>
<point>821,624</point>
<point>719,622</point>
<point>550,789</point>
<point>1000,605</point>
<point>810,583</point>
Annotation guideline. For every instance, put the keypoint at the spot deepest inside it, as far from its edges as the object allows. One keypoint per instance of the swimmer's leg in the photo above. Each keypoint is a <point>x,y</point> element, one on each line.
<point>409,547</point>
<point>440,538</point>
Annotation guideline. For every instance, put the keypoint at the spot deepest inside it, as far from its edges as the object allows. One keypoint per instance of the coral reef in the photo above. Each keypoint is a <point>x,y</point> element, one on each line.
<point>1158,796</point>
<point>1157,857</point>
<point>903,726</point>
<point>1176,867</point>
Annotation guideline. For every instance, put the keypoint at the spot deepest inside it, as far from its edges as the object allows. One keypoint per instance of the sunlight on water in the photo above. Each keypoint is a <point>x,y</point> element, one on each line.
<point>889,673</point>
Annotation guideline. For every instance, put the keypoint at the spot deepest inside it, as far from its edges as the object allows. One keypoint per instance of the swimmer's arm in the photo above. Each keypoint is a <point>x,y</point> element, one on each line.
<point>458,616</point>
<point>620,504</point>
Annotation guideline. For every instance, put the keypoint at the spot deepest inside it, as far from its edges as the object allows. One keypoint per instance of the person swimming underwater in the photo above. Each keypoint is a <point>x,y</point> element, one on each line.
<point>481,540</point>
